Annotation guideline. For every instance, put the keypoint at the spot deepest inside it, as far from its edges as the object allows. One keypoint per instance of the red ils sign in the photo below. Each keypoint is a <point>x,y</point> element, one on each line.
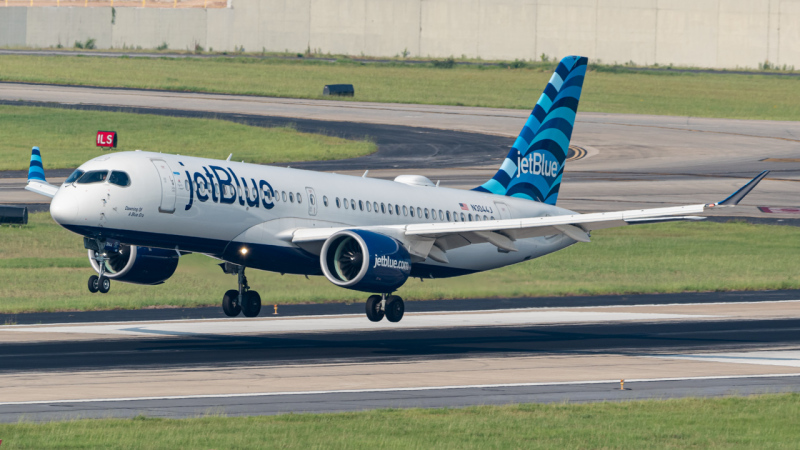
<point>107,139</point>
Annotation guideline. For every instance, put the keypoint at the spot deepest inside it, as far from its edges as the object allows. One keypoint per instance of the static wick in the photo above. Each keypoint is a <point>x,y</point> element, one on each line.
<point>276,310</point>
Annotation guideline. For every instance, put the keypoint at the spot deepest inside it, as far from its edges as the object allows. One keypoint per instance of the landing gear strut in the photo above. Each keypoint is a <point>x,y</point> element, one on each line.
<point>244,300</point>
<point>98,283</point>
<point>391,306</point>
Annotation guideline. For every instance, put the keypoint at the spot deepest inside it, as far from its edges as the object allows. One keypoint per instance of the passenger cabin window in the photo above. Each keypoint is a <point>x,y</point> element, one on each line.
<point>375,206</point>
<point>405,210</point>
<point>75,175</point>
<point>383,208</point>
<point>426,213</point>
<point>353,204</point>
<point>122,179</point>
<point>448,216</point>
<point>346,205</point>
<point>95,176</point>
<point>441,215</point>
<point>412,211</point>
<point>463,218</point>
<point>390,209</point>
<point>325,200</point>
<point>283,194</point>
<point>369,207</point>
<point>419,212</point>
<point>338,204</point>
<point>397,209</point>
<point>361,205</point>
<point>299,198</point>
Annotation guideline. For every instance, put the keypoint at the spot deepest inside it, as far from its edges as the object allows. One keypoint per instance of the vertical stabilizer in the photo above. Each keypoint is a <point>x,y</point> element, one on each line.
<point>36,170</point>
<point>535,164</point>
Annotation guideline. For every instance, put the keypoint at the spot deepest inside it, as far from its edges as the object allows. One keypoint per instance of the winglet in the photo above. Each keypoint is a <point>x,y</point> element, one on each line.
<point>737,196</point>
<point>36,170</point>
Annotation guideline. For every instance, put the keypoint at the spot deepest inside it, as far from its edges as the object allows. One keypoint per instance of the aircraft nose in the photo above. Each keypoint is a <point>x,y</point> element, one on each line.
<point>64,207</point>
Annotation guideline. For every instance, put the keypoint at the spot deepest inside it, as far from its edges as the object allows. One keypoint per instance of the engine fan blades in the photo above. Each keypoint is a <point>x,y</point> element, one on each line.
<point>350,259</point>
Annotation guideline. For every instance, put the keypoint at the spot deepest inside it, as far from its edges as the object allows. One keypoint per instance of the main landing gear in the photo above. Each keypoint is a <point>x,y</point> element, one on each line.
<point>391,306</point>
<point>98,283</point>
<point>244,300</point>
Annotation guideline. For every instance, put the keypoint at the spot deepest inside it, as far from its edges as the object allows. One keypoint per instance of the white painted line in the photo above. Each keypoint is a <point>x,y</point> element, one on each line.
<point>356,323</point>
<point>410,389</point>
<point>408,314</point>
<point>786,358</point>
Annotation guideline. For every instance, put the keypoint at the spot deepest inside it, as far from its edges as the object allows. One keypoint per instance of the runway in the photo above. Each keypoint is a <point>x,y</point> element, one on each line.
<point>632,161</point>
<point>271,365</point>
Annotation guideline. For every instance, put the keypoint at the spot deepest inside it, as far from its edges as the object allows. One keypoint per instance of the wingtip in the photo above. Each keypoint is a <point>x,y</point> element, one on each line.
<point>742,192</point>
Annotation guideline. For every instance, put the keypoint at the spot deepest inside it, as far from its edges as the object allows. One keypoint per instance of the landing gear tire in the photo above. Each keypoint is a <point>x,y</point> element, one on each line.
<point>103,285</point>
<point>251,305</point>
<point>374,311</point>
<point>93,284</point>
<point>230,303</point>
<point>394,308</point>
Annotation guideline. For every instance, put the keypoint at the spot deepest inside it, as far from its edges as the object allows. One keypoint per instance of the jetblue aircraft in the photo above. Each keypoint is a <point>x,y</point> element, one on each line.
<point>138,212</point>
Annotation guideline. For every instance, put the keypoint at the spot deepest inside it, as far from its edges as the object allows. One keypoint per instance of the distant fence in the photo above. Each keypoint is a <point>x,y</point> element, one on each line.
<point>118,4</point>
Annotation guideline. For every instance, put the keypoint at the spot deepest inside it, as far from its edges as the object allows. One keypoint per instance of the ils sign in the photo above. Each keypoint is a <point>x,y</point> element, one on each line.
<point>107,139</point>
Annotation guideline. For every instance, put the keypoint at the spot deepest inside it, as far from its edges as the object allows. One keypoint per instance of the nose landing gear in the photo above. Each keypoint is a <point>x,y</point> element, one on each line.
<point>391,306</point>
<point>243,300</point>
<point>99,283</point>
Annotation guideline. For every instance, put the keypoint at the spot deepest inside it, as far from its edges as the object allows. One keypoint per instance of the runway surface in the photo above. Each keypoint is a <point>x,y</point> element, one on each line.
<point>632,161</point>
<point>269,365</point>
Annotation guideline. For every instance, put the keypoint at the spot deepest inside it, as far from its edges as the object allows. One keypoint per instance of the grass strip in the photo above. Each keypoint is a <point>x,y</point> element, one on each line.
<point>67,138</point>
<point>606,89</point>
<point>658,258</point>
<point>766,421</point>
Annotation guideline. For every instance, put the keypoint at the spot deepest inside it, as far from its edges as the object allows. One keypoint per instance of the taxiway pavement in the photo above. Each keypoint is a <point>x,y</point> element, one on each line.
<point>270,365</point>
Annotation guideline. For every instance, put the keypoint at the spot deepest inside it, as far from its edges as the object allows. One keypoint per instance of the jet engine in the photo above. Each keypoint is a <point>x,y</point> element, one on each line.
<point>138,265</point>
<point>365,261</point>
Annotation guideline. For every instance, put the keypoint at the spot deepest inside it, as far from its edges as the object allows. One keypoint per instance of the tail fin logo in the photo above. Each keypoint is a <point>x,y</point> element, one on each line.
<point>536,163</point>
<point>534,166</point>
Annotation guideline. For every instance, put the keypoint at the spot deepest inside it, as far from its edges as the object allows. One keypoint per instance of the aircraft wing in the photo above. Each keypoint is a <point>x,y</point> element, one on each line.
<point>434,239</point>
<point>41,188</point>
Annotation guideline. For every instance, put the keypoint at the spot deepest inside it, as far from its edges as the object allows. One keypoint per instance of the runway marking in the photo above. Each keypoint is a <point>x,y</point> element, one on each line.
<point>409,389</point>
<point>789,358</point>
<point>357,323</point>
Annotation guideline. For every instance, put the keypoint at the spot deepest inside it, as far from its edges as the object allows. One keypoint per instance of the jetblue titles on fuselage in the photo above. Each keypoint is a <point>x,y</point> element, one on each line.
<point>225,189</point>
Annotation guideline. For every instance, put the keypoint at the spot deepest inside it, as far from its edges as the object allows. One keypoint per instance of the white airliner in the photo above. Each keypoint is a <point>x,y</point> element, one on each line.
<point>139,212</point>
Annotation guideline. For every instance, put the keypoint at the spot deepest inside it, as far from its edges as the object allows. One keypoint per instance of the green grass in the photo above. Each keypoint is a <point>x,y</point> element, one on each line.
<point>611,90</point>
<point>44,268</point>
<point>767,421</point>
<point>67,138</point>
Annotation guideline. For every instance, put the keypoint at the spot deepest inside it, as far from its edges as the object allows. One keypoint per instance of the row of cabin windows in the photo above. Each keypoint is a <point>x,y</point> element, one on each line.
<point>428,214</point>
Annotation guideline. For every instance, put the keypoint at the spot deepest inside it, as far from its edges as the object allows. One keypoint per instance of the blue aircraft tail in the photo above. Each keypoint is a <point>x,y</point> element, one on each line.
<point>535,164</point>
<point>36,170</point>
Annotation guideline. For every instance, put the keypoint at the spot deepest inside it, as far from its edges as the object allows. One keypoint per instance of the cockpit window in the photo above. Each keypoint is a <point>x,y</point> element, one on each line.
<point>75,175</point>
<point>120,179</point>
<point>95,176</point>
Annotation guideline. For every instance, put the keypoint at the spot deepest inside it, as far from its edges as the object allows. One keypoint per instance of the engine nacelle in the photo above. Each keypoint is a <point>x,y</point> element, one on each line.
<point>365,261</point>
<point>138,265</point>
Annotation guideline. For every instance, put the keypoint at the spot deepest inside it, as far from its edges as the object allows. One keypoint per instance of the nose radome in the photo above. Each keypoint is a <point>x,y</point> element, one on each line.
<point>64,207</point>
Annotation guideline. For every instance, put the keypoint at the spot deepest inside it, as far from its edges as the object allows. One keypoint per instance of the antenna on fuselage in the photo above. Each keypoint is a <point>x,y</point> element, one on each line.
<point>229,157</point>
<point>365,174</point>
